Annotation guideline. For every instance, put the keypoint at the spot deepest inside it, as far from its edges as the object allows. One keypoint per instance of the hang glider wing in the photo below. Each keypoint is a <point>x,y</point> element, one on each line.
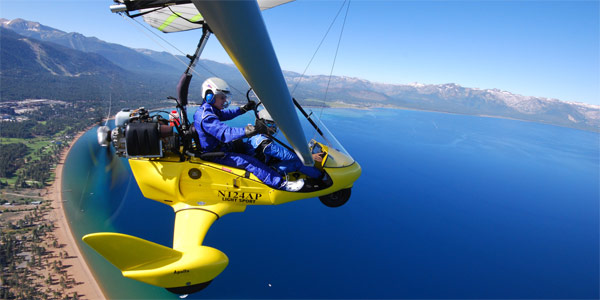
<point>174,18</point>
<point>177,15</point>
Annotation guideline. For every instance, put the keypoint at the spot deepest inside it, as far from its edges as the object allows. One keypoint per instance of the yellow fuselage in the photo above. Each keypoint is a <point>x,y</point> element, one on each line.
<point>200,192</point>
<point>220,189</point>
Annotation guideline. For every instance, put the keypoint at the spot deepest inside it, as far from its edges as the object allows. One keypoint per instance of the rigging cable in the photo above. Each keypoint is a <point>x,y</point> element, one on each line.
<point>334,58</point>
<point>109,106</point>
<point>136,21</point>
<point>318,47</point>
<point>175,56</point>
<point>110,88</point>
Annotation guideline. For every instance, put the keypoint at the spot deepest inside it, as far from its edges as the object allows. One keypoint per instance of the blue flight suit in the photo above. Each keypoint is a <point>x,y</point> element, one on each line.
<point>214,136</point>
<point>279,157</point>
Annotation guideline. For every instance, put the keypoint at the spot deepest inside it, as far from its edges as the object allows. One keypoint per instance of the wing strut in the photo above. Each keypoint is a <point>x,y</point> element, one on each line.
<point>184,82</point>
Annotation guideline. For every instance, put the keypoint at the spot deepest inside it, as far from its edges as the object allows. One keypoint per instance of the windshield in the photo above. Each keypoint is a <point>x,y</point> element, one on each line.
<point>321,140</point>
<point>324,141</point>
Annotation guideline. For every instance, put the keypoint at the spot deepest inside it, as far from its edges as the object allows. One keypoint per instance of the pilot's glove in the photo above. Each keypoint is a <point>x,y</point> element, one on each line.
<point>259,128</point>
<point>262,128</point>
<point>249,106</point>
<point>250,130</point>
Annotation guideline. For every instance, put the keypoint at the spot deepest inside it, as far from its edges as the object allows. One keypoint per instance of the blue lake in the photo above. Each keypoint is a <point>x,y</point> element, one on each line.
<point>448,206</point>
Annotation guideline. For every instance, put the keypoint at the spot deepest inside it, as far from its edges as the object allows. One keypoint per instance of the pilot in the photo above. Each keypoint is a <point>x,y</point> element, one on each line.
<point>216,136</point>
<point>276,155</point>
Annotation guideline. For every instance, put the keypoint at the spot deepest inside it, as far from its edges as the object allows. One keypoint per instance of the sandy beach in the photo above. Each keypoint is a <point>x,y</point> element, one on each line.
<point>87,287</point>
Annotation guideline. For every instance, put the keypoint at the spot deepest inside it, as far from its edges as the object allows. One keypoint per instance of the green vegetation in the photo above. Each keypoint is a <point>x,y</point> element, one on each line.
<point>17,129</point>
<point>11,158</point>
<point>31,142</point>
<point>30,148</point>
<point>30,256</point>
<point>22,166</point>
<point>21,251</point>
<point>33,134</point>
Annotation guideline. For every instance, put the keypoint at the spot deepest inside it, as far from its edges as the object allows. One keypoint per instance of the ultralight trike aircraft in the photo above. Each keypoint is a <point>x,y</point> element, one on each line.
<point>169,167</point>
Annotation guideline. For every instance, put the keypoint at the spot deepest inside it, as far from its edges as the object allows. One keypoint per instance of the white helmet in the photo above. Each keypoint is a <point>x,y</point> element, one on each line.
<point>212,86</point>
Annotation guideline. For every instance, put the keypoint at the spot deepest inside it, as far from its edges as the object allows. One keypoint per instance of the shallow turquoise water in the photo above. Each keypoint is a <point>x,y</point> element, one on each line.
<point>448,206</point>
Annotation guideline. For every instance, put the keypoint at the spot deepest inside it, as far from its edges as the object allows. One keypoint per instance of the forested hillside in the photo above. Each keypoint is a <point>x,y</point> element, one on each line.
<point>46,63</point>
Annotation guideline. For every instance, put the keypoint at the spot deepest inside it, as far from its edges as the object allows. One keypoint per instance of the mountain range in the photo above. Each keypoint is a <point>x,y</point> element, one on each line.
<point>38,61</point>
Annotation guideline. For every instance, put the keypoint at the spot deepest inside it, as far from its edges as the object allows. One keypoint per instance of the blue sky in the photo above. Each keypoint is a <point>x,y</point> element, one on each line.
<point>534,48</point>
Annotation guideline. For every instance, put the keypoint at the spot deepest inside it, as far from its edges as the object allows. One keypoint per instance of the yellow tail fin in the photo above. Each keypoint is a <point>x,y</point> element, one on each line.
<point>128,252</point>
<point>159,265</point>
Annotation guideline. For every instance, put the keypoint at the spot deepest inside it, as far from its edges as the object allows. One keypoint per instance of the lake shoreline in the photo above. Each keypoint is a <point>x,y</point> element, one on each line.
<point>87,286</point>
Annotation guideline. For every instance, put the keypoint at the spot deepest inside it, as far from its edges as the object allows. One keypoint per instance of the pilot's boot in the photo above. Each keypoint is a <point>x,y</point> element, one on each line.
<point>293,186</point>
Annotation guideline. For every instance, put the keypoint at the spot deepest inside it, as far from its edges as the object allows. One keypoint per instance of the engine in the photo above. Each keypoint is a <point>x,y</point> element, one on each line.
<point>138,134</point>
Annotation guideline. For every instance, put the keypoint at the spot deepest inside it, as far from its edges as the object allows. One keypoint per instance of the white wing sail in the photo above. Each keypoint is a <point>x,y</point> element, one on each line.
<point>180,17</point>
<point>174,18</point>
